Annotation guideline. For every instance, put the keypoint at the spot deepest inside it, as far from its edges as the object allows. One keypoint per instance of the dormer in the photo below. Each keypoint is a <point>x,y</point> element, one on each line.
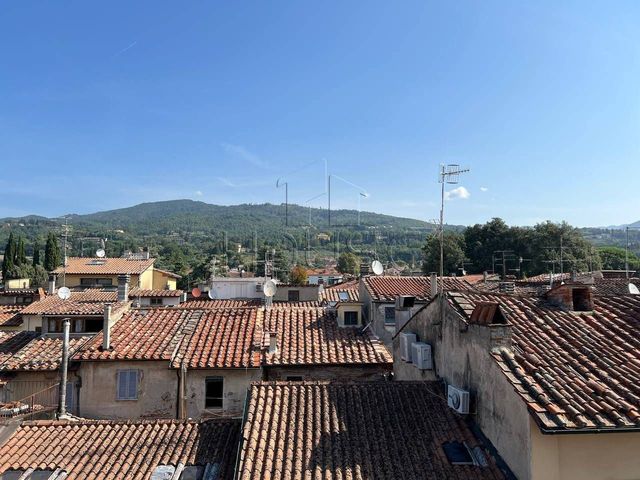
<point>574,297</point>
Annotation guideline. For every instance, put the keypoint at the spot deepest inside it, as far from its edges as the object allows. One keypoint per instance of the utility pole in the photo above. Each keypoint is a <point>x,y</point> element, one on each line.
<point>286,199</point>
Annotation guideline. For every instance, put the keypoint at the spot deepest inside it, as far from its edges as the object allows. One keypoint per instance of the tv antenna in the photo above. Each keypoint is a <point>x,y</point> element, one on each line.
<point>449,175</point>
<point>280,183</point>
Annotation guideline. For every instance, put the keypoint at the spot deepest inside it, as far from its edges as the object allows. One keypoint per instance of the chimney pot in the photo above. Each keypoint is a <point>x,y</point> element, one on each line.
<point>434,285</point>
<point>123,287</point>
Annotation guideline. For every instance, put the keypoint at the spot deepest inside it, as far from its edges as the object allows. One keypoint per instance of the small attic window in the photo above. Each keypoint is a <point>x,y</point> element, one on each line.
<point>343,296</point>
<point>457,453</point>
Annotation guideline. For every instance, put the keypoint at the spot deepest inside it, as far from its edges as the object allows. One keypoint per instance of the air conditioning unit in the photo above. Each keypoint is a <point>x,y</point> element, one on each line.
<point>405,301</point>
<point>458,399</point>
<point>406,339</point>
<point>421,356</point>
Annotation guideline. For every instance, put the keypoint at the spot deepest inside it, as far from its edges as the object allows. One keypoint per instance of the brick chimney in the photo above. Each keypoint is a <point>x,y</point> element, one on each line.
<point>572,297</point>
<point>123,287</point>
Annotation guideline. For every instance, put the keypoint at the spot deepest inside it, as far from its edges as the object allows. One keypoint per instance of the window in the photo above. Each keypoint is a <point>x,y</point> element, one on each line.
<point>93,324</point>
<point>351,318</point>
<point>127,385</point>
<point>293,295</point>
<point>457,453</point>
<point>96,282</point>
<point>156,301</point>
<point>343,296</point>
<point>294,378</point>
<point>214,391</point>
<point>390,315</point>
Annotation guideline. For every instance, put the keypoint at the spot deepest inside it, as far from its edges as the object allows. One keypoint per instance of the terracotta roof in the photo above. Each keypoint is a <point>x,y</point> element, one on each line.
<point>304,304</point>
<point>573,369</point>
<point>43,353</point>
<point>220,339</point>
<point>152,334</point>
<point>10,315</point>
<point>12,342</point>
<point>105,266</point>
<point>381,430</point>
<point>230,303</point>
<point>139,292</point>
<point>386,288</point>
<point>88,302</point>
<point>335,294</point>
<point>121,450</point>
<point>539,285</point>
<point>310,336</point>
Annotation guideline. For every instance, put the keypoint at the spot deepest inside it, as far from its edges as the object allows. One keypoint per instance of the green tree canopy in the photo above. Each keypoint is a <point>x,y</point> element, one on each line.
<point>299,275</point>
<point>453,253</point>
<point>348,263</point>
<point>8,261</point>
<point>614,258</point>
<point>51,253</point>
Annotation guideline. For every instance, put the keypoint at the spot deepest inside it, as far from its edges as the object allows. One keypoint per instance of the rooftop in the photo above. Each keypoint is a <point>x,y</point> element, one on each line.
<point>574,370</point>
<point>312,336</point>
<point>30,351</point>
<point>354,430</point>
<point>117,450</point>
<point>386,288</point>
<point>342,292</point>
<point>105,266</point>
<point>88,302</point>
<point>10,315</point>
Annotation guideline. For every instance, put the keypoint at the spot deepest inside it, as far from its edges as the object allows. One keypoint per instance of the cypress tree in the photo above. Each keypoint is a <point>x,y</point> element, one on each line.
<point>21,256</point>
<point>9,256</point>
<point>36,253</point>
<point>51,253</point>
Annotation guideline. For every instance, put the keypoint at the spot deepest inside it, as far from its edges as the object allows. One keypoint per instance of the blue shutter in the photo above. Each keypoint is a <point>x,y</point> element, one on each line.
<point>122,384</point>
<point>133,385</point>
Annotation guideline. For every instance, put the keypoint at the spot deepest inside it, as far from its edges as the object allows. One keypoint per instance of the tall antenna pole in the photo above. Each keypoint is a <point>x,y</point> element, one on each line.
<point>286,199</point>
<point>329,194</point>
<point>626,253</point>
<point>449,174</point>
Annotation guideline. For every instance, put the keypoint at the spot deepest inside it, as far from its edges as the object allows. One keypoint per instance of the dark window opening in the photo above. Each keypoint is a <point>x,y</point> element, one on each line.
<point>156,301</point>
<point>96,282</point>
<point>294,378</point>
<point>93,325</point>
<point>581,299</point>
<point>351,318</point>
<point>214,391</point>
<point>293,295</point>
<point>390,315</point>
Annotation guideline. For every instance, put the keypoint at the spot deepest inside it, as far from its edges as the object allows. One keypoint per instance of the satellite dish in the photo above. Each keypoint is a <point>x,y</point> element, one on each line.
<point>100,253</point>
<point>633,289</point>
<point>64,293</point>
<point>377,268</point>
<point>211,295</point>
<point>196,292</point>
<point>269,288</point>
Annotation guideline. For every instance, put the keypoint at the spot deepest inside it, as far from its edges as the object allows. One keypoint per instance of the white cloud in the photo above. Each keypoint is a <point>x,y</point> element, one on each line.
<point>242,153</point>
<point>198,193</point>
<point>484,189</point>
<point>459,192</point>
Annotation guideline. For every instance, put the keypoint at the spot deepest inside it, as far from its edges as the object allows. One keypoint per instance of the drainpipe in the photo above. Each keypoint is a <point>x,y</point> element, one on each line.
<point>106,328</point>
<point>62,396</point>
<point>182,391</point>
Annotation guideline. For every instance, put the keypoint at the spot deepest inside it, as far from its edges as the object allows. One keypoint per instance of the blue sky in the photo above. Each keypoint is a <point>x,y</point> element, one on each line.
<point>108,104</point>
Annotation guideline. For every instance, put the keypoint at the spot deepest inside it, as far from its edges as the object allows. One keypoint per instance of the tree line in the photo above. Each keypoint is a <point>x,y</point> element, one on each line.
<point>16,265</point>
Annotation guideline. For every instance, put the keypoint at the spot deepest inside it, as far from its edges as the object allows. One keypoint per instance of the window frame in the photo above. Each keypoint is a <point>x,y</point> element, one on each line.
<point>353,313</point>
<point>156,301</point>
<point>389,320</point>
<point>213,379</point>
<point>296,294</point>
<point>127,397</point>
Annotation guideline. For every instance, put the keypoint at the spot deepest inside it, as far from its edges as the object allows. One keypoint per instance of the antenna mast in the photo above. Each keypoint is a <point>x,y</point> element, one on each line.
<point>449,174</point>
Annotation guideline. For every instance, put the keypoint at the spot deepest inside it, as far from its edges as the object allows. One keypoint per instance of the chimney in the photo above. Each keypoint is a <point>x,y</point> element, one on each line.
<point>574,298</point>
<point>52,284</point>
<point>434,285</point>
<point>106,328</point>
<point>484,276</point>
<point>183,297</point>
<point>574,276</point>
<point>273,342</point>
<point>123,287</point>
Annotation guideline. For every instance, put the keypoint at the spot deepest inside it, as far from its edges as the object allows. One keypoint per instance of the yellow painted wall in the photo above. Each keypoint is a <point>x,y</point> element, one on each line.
<point>18,283</point>
<point>349,307</point>
<point>608,456</point>
<point>73,280</point>
<point>160,281</point>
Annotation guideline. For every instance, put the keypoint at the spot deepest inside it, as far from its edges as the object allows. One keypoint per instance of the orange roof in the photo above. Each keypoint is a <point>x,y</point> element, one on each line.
<point>572,369</point>
<point>199,303</point>
<point>139,292</point>
<point>310,336</point>
<point>12,342</point>
<point>88,302</point>
<point>43,353</point>
<point>381,430</point>
<point>105,266</point>
<point>386,288</point>
<point>118,450</point>
<point>10,315</point>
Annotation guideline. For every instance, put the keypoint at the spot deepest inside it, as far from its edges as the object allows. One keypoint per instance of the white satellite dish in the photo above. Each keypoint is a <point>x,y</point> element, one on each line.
<point>633,289</point>
<point>377,268</point>
<point>269,288</point>
<point>211,295</point>
<point>100,253</point>
<point>64,293</point>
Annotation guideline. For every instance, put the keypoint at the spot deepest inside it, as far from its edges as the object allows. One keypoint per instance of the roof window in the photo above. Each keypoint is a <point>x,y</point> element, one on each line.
<point>343,296</point>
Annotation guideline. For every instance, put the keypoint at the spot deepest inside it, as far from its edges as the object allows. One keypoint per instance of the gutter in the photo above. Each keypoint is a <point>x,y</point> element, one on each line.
<point>236,473</point>
<point>587,431</point>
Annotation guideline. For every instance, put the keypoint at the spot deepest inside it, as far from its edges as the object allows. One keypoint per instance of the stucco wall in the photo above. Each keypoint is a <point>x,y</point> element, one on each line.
<point>307,293</point>
<point>162,280</point>
<point>236,384</point>
<point>157,390</point>
<point>462,358</point>
<point>73,280</point>
<point>611,456</point>
<point>349,307</point>
<point>338,373</point>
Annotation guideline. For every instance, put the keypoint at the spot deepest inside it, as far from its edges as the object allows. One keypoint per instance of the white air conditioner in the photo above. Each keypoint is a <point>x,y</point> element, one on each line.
<point>406,339</point>
<point>421,355</point>
<point>458,399</point>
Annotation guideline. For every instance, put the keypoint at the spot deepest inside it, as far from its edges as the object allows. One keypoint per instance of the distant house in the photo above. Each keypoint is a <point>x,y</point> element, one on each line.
<point>379,294</point>
<point>324,276</point>
<point>103,272</point>
<point>342,430</point>
<point>551,380</point>
<point>344,298</point>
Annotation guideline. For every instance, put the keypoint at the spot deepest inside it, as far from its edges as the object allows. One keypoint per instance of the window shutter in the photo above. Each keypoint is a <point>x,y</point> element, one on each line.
<point>122,384</point>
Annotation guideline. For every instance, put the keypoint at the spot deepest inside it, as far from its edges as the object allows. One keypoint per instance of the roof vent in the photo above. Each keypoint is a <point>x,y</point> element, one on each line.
<point>507,287</point>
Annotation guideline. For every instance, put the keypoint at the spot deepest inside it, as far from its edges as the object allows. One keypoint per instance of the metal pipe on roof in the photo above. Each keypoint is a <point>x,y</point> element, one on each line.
<point>62,396</point>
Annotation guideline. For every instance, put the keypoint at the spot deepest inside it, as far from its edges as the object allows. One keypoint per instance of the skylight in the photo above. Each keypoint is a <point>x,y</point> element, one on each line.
<point>343,296</point>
